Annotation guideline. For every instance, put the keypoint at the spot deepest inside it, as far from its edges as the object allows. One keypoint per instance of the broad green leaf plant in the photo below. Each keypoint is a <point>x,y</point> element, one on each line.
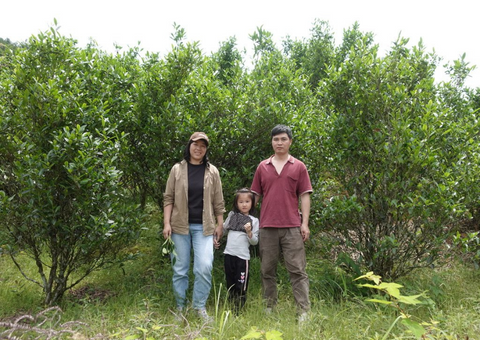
<point>393,298</point>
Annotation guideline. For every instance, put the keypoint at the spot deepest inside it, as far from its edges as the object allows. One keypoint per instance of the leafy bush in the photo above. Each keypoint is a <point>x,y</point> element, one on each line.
<point>62,199</point>
<point>391,150</point>
<point>469,246</point>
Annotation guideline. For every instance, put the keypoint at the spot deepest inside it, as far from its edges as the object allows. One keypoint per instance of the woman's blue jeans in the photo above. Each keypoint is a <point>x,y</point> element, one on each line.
<point>202,266</point>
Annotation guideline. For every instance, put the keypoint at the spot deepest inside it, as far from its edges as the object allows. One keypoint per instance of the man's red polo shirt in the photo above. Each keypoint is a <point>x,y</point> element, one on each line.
<point>281,192</point>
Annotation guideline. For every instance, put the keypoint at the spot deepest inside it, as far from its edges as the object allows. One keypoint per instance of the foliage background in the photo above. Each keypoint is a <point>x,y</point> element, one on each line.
<point>392,154</point>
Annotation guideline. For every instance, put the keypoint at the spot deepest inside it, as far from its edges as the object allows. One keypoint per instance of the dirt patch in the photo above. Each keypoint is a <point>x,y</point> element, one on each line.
<point>89,294</point>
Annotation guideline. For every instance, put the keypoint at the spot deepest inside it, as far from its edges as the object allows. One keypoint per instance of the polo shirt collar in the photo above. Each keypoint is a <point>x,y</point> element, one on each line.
<point>290,159</point>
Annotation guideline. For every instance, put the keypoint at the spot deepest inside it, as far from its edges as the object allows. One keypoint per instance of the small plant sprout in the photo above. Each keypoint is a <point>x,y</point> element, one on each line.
<point>255,333</point>
<point>394,298</point>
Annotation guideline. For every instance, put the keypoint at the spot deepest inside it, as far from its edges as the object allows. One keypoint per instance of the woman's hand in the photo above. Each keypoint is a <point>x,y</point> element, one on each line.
<point>216,243</point>
<point>217,235</point>
<point>167,230</point>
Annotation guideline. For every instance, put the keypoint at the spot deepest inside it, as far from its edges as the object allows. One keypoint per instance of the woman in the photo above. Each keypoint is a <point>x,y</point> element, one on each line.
<point>193,199</point>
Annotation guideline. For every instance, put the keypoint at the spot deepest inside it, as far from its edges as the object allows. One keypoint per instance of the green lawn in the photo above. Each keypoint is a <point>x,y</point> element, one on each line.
<point>136,302</point>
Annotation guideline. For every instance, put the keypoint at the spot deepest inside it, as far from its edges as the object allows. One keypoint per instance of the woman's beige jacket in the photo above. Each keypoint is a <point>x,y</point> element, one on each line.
<point>176,193</point>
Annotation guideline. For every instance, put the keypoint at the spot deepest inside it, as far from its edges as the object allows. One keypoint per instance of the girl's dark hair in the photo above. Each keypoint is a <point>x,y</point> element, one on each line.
<point>186,154</point>
<point>235,200</point>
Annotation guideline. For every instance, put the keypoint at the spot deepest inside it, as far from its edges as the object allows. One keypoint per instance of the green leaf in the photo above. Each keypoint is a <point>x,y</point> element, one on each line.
<point>370,276</point>
<point>385,302</point>
<point>391,288</point>
<point>132,337</point>
<point>414,327</point>
<point>410,300</point>
<point>273,335</point>
<point>253,333</point>
<point>369,285</point>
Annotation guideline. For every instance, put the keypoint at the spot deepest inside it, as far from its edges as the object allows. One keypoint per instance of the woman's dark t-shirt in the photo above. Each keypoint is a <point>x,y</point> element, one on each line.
<point>196,174</point>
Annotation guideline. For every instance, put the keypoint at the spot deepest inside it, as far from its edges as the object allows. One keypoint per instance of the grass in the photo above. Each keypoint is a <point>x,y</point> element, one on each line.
<point>135,301</point>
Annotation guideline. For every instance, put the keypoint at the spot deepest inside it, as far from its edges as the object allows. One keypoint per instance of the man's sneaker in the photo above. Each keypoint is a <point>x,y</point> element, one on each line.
<point>303,317</point>
<point>202,314</point>
<point>268,310</point>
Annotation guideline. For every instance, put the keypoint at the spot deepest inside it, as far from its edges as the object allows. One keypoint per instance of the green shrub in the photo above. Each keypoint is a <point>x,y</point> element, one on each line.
<point>63,203</point>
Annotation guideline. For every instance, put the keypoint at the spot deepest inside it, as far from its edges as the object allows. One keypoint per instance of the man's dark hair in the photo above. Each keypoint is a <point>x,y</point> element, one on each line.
<point>186,154</point>
<point>282,129</point>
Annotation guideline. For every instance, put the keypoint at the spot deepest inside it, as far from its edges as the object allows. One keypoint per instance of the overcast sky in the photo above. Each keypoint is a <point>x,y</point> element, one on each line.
<point>448,27</point>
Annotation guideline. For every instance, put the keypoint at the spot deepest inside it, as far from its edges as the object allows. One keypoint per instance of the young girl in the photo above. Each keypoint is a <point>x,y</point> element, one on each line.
<point>242,229</point>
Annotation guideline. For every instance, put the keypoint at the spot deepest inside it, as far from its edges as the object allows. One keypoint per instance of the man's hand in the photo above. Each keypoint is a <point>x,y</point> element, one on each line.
<point>305,231</point>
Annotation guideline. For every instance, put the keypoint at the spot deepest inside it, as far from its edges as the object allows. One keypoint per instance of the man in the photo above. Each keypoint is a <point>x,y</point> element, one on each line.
<point>282,180</point>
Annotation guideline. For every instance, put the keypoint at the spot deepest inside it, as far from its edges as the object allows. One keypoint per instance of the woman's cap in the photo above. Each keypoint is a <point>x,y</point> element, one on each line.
<point>199,135</point>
